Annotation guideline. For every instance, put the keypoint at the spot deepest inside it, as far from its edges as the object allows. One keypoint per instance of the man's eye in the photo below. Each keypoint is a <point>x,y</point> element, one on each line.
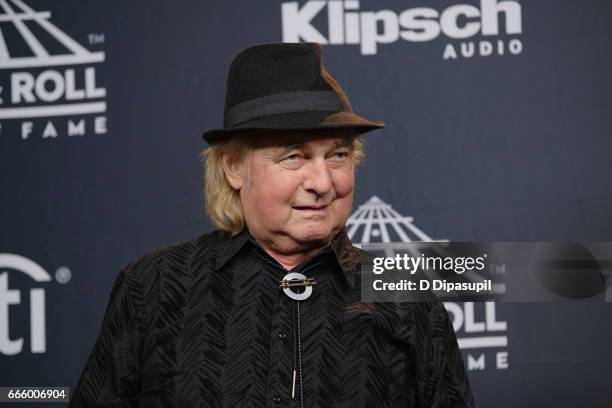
<point>292,157</point>
<point>341,155</point>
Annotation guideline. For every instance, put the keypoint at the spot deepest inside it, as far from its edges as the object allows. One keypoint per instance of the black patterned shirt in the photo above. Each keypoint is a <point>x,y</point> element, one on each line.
<point>204,323</point>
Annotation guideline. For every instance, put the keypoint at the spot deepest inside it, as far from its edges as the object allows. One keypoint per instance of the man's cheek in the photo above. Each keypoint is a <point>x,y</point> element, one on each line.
<point>271,206</point>
<point>344,182</point>
<point>345,189</point>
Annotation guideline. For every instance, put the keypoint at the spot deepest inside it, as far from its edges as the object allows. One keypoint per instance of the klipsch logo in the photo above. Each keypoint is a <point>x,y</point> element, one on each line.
<point>482,337</point>
<point>488,27</point>
<point>46,75</point>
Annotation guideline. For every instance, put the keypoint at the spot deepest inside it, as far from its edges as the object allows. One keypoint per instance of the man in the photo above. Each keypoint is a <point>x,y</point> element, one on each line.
<point>266,311</point>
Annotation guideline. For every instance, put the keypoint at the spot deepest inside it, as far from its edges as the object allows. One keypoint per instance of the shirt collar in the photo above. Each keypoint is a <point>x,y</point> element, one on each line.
<point>347,256</point>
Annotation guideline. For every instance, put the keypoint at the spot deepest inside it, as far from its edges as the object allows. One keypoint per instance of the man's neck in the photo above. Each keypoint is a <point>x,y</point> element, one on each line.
<point>290,261</point>
<point>290,254</point>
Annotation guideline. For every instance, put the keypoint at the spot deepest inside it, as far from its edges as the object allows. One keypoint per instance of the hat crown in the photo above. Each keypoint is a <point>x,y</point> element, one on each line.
<point>279,68</point>
<point>284,86</point>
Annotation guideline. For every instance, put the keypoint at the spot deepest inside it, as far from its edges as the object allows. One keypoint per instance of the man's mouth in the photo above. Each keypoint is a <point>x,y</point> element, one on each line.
<point>312,208</point>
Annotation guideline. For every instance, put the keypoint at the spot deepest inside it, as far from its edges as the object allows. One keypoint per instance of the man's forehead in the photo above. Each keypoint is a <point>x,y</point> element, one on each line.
<point>335,137</point>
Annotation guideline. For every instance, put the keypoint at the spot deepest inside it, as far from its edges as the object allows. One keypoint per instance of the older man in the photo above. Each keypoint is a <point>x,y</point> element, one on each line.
<point>266,311</point>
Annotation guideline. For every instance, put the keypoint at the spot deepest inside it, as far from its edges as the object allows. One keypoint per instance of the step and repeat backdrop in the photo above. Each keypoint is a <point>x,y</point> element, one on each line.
<point>499,119</point>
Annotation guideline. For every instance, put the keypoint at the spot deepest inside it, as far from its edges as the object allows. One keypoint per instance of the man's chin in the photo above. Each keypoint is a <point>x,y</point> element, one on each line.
<point>314,236</point>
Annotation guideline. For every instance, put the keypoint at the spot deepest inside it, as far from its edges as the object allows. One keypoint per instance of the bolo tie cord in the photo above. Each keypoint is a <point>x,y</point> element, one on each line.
<point>297,356</point>
<point>296,279</point>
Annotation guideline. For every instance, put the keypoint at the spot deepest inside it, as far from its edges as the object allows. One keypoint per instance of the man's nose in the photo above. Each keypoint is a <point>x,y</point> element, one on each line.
<point>318,177</point>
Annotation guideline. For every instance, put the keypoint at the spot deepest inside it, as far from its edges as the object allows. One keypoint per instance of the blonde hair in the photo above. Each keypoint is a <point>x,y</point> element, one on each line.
<point>222,200</point>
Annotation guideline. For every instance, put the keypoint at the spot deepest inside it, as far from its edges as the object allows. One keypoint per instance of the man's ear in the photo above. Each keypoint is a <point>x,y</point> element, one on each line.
<point>234,171</point>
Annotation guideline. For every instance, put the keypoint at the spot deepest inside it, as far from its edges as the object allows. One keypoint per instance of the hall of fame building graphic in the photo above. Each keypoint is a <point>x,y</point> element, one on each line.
<point>482,337</point>
<point>48,86</point>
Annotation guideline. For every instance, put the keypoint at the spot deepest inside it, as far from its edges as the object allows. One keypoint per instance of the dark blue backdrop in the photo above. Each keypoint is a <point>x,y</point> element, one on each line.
<point>477,147</point>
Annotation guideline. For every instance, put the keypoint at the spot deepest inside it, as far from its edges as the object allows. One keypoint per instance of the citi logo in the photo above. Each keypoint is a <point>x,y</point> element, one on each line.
<point>346,24</point>
<point>13,297</point>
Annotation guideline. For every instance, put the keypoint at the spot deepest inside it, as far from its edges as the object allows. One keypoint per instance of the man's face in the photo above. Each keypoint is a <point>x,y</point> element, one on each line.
<point>298,188</point>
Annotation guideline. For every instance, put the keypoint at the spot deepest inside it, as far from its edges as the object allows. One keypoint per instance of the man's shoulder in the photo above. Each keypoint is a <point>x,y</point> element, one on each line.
<point>363,254</point>
<point>177,257</point>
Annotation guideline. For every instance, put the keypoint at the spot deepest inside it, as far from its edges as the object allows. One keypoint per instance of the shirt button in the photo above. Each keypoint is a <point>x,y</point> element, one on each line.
<point>276,399</point>
<point>282,335</point>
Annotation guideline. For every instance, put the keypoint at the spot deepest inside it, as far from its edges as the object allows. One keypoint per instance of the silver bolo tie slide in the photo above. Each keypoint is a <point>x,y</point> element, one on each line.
<point>294,280</point>
<point>297,280</point>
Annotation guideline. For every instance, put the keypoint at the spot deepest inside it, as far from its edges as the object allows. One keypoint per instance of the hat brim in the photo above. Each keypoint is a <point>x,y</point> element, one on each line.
<point>297,121</point>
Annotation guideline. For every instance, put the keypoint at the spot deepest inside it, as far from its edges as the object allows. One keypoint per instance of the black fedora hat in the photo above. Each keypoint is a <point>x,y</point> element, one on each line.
<point>284,86</point>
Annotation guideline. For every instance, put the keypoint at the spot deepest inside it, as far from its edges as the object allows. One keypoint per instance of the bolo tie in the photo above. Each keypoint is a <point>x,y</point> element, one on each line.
<point>290,281</point>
